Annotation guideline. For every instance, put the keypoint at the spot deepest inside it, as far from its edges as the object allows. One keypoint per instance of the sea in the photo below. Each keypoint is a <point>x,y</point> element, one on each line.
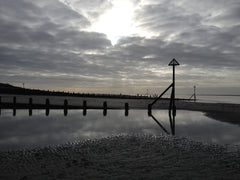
<point>230,99</point>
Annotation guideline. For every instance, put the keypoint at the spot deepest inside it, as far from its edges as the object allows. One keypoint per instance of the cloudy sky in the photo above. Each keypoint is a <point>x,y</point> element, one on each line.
<point>121,46</point>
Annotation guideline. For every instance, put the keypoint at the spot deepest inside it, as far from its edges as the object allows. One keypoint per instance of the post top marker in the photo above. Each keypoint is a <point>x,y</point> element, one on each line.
<point>174,63</point>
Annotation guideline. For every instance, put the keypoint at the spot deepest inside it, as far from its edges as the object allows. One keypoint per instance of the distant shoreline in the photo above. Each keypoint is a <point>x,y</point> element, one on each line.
<point>218,94</point>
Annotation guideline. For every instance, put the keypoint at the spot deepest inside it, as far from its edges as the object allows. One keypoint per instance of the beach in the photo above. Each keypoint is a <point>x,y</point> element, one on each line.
<point>129,156</point>
<point>123,157</point>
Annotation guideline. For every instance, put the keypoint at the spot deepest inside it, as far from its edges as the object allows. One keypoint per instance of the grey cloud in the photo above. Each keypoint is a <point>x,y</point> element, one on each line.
<point>39,37</point>
<point>52,27</point>
<point>190,30</point>
<point>34,13</point>
<point>166,19</point>
<point>190,54</point>
<point>46,41</point>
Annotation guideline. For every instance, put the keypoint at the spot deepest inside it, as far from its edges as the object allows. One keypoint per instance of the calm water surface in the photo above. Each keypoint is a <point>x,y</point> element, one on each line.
<point>215,99</point>
<point>23,131</point>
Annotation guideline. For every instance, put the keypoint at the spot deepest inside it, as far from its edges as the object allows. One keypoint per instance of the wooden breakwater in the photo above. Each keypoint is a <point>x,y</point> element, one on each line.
<point>47,106</point>
<point>84,104</point>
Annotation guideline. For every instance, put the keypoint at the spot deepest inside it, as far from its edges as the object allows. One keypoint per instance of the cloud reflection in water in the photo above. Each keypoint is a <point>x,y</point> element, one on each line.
<point>38,130</point>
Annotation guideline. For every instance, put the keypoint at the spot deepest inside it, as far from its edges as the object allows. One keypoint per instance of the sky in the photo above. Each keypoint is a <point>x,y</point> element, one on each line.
<point>121,46</point>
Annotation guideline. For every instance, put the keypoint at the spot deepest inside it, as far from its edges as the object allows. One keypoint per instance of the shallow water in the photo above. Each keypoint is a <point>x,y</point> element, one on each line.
<point>23,131</point>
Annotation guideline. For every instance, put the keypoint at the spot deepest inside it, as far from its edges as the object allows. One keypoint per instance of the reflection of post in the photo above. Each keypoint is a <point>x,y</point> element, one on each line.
<point>159,124</point>
<point>47,107</point>
<point>173,63</point>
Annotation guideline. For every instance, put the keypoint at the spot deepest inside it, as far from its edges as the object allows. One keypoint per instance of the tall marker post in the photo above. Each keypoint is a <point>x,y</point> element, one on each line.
<point>173,63</point>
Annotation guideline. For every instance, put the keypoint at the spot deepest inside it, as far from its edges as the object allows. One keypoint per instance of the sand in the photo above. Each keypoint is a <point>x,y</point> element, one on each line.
<point>230,117</point>
<point>123,157</point>
<point>129,156</point>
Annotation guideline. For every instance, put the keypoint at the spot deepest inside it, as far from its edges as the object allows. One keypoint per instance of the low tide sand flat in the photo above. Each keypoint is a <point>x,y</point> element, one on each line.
<point>123,157</point>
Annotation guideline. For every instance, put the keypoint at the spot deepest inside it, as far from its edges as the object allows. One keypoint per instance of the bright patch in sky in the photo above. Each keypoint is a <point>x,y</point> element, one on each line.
<point>117,22</point>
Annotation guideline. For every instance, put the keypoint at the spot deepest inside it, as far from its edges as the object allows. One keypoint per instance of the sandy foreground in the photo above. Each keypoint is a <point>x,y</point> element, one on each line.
<point>123,157</point>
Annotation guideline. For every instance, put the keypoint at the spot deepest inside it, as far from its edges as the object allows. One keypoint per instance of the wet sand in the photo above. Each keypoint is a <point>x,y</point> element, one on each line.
<point>123,157</point>
<point>229,117</point>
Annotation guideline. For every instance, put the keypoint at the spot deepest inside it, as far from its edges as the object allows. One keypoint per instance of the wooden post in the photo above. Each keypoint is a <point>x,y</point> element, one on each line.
<point>65,107</point>
<point>104,108</point>
<point>173,63</point>
<point>126,109</point>
<point>14,105</point>
<point>0,105</point>
<point>150,110</point>
<point>30,107</point>
<point>84,108</point>
<point>47,107</point>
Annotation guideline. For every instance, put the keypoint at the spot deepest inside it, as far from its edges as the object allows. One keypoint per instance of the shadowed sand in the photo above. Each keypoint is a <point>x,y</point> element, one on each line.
<point>123,157</point>
<point>230,117</point>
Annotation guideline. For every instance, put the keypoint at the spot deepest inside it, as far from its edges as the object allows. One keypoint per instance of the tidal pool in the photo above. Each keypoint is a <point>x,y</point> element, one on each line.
<point>23,131</point>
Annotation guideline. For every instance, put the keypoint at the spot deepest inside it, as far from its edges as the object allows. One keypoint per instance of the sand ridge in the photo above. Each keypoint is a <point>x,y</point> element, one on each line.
<point>123,157</point>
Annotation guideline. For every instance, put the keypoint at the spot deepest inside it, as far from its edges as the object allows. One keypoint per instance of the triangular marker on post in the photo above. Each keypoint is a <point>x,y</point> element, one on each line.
<point>174,62</point>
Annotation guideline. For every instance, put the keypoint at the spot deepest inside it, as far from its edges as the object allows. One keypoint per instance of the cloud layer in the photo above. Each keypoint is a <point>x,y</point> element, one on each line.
<point>50,45</point>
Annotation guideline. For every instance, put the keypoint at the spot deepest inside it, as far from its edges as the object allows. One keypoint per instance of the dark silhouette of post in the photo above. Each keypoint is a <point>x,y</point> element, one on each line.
<point>0,105</point>
<point>173,63</point>
<point>172,106</point>
<point>104,108</point>
<point>84,108</point>
<point>65,107</point>
<point>126,109</point>
<point>47,107</point>
<point>30,107</point>
<point>194,94</point>
<point>14,105</point>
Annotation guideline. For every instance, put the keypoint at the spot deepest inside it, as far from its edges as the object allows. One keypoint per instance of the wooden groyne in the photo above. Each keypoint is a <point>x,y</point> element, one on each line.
<point>33,103</point>
<point>47,106</point>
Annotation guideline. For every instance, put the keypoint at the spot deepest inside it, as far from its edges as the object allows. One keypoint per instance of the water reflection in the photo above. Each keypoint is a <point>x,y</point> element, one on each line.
<point>38,130</point>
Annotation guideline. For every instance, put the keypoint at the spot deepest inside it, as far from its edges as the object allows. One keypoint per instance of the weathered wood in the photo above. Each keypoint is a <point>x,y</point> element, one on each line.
<point>30,106</point>
<point>0,105</point>
<point>84,108</point>
<point>104,108</point>
<point>14,105</point>
<point>47,107</point>
<point>126,109</point>
<point>65,107</point>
